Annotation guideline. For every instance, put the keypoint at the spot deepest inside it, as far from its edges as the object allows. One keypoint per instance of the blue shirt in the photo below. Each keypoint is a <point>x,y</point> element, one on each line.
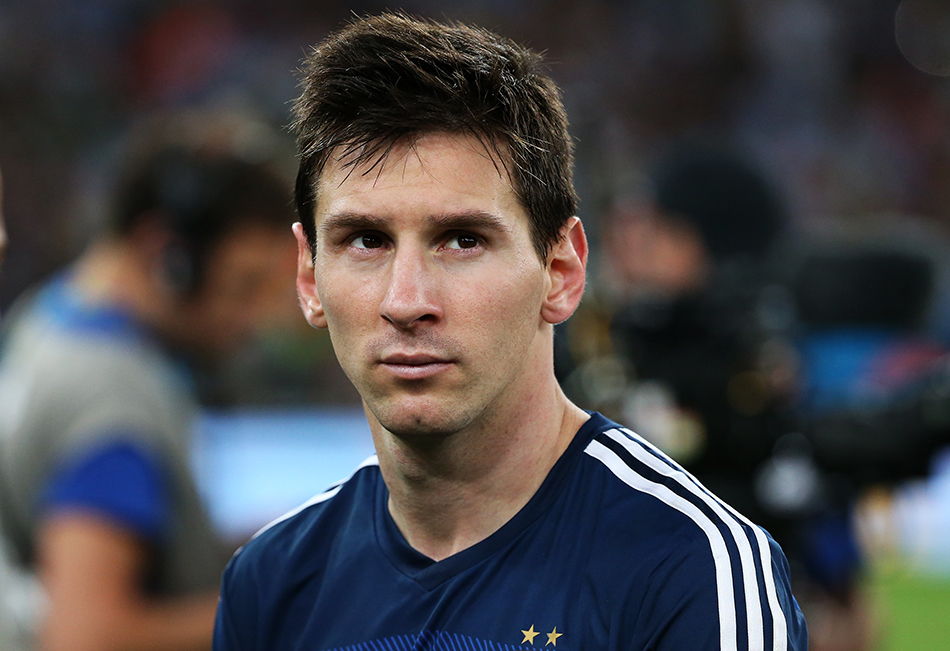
<point>118,478</point>
<point>619,549</point>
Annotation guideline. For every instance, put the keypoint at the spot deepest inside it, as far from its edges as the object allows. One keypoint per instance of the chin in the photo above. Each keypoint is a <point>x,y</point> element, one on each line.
<point>422,422</point>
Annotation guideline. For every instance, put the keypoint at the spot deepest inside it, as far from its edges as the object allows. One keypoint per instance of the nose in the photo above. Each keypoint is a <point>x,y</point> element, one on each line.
<point>410,298</point>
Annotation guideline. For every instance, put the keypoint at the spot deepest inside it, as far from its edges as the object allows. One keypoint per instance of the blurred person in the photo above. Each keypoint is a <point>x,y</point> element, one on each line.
<point>439,246</point>
<point>703,331</point>
<point>96,405</point>
<point>21,599</point>
<point>691,313</point>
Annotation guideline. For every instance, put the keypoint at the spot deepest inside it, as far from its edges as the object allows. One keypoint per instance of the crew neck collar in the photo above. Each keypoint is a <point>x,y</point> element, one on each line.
<point>429,573</point>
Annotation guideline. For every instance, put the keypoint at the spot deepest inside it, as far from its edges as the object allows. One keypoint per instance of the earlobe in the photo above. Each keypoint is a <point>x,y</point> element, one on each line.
<point>306,282</point>
<point>567,273</point>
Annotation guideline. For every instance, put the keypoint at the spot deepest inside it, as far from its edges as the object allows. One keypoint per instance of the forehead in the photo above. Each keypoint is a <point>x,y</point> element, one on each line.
<point>436,173</point>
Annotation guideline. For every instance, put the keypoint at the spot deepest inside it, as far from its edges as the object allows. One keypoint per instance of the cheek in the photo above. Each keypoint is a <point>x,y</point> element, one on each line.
<point>502,309</point>
<point>349,308</point>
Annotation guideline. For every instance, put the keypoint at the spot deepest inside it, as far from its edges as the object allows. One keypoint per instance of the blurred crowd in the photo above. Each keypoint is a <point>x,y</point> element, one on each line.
<point>817,92</point>
<point>765,183</point>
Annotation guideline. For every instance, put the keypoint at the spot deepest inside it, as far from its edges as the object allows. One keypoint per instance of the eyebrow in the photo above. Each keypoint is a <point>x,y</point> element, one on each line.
<point>472,219</point>
<point>351,221</point>
<point>475,219</point>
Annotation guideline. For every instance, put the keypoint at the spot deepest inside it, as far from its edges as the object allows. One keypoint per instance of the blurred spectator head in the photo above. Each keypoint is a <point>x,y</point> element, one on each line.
<point>649,253</point>
<point>725,198</point>
<point>706,208</point>
<point>389,79</point>
<point>211,220</point>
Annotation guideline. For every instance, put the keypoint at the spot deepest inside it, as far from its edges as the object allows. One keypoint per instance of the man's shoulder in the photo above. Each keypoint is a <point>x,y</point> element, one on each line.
<point>643,475</point>
<point>654,505</point>
<point>680,538</point>
<point>80,347</point>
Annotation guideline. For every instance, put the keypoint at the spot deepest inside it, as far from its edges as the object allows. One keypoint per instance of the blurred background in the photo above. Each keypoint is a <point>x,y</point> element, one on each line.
<point>766,184</point>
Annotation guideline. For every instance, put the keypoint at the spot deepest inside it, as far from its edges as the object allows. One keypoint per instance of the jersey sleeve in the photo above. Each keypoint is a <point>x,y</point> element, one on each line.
<point>681,610</point>
<point>120,480</point>
<point>796,631</point>
<point>705,606</point>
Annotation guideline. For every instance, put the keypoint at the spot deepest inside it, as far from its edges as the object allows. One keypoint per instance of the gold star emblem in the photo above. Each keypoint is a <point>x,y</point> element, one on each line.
<point>529,635</point>
<point>553,636</point>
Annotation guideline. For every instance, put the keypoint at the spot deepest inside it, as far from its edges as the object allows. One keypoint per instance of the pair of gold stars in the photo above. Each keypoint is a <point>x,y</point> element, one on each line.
<point>530,634</point>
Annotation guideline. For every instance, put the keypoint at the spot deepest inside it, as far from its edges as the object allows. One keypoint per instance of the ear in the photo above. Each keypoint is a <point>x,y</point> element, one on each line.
<point>567,272</point>
<point>306,281</point>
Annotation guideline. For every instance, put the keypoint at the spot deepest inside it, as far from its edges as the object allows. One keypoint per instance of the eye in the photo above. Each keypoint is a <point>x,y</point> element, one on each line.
<point>368,241</point>
<point>462,241</point>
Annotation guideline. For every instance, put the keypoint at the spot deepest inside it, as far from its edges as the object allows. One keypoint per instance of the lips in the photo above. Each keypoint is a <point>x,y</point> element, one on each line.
<point>414,366</point>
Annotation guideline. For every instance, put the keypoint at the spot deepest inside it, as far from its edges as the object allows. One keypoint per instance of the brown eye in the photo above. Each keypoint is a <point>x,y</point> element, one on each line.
<point>462,241</point>
<point>368,241</point>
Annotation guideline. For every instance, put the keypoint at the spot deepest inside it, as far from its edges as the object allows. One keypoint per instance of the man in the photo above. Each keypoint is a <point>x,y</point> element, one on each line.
<point>96,492</point>
<point>692,318</point>
<point>438,245</point>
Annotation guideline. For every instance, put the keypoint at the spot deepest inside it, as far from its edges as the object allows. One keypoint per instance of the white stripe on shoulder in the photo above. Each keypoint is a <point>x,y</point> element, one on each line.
<point>641,449</point>
<point>747,562</point>
<point>321,497</point>
<point>724,589</point>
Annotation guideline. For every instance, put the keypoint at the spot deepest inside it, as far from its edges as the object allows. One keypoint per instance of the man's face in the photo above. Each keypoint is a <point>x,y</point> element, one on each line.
<point>243,287</point>
<point>651,252</point>
<point>427,279</point>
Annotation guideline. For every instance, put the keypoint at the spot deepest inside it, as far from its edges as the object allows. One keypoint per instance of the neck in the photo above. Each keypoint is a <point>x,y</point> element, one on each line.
<point>448,495</point>
<point>109,273</point>
<point>114,272</point>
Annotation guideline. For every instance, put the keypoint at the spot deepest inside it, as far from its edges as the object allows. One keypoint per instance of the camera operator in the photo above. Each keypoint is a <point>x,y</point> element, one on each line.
<point>692,343</point>
<point>687,337</point>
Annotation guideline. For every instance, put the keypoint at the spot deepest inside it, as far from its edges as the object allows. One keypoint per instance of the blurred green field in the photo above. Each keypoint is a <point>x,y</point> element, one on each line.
<point>913,609</point>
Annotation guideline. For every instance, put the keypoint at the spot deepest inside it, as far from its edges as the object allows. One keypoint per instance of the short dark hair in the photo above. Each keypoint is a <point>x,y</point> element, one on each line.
<point>384,79</point>
<point>199,189</point>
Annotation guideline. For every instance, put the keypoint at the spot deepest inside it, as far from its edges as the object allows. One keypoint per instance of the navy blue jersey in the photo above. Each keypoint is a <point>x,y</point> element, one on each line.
<point>620,548</point>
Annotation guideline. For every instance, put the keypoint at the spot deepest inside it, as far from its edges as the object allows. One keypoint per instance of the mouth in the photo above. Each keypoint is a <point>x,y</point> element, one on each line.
<point>414,366</point>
